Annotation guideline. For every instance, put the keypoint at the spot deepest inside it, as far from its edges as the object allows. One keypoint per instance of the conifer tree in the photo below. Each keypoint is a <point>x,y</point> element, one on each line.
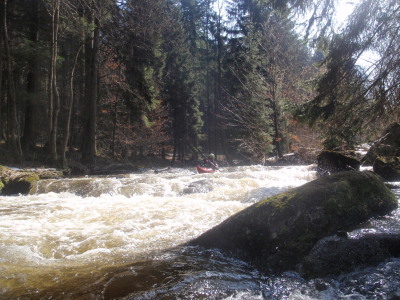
<point>180,88</point>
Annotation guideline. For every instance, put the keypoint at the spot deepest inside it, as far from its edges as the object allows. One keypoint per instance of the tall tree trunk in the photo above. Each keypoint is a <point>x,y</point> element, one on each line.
<point>89,141</point>
<point>28,139</point>
<point>54,98</point>
<point>13,138</point>
<point>114,129</point>
<point>218,132</point>
<point>276,115</point>
<point>208,78</point>
<point>2,90</point>
<point>50,99</point>
<point>69,112</point>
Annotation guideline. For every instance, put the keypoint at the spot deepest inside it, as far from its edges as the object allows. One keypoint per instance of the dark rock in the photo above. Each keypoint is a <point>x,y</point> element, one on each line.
<point>200,186</point>
<point>388,167</point>
<point>321,285</point>
<point>334,255</point>
<point>276,233</point>
<point>76,168</point>
<point>387,145</point>
<point>342,234</point>
<point>330,162</point>
<point>22,184</point>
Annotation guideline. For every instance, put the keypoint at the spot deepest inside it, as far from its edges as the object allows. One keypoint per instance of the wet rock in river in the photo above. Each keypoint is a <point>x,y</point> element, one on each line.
<point>200,186</point>
<point>387,145</point>
<point>276,233</point>
<point>388,167</point>
<point>330,162</point>
<point>334,255</point>
<point>15,181</point>
<point>21,184</point>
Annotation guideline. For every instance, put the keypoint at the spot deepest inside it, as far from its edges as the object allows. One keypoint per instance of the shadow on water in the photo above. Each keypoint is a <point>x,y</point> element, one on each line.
<point>196,273</point>
<point>183,273</point>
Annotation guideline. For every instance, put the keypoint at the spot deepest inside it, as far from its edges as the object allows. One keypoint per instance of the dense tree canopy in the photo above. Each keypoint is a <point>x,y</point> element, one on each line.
<point>125,79</point>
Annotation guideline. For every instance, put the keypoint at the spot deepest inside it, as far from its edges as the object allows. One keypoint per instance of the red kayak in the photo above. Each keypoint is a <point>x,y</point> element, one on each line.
<point>201,169</point>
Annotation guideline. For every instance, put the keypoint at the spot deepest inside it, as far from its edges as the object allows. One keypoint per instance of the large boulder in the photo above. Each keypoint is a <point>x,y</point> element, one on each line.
<point>388,167</point>
<point>329,162</point>
<point>276,233</point>
<point>387,145</point>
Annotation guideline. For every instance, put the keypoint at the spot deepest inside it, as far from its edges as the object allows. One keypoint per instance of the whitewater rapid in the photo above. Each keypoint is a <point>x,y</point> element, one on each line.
<point>82,226</point>
<point>123,237</point>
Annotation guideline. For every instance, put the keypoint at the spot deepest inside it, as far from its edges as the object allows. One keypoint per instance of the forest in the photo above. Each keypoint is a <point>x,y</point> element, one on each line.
<point>246,79</point>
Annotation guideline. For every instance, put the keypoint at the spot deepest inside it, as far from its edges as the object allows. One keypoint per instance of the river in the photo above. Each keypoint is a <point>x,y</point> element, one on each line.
<point>121,237</point>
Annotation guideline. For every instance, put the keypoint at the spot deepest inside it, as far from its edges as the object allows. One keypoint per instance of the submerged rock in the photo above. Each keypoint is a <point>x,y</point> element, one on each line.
<point>330,162</point>
<point>200,186</point>
<point>334,255</point>
<point>276,233</point>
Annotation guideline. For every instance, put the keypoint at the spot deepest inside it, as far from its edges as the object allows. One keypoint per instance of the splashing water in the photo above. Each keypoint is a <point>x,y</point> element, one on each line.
<point>122,236</point>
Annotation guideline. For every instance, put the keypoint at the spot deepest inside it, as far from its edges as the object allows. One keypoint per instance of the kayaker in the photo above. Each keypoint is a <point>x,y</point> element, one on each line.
<point>210,162</point>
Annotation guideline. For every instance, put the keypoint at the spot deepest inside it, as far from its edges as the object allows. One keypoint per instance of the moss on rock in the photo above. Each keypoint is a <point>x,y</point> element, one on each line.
<point>19,181</point>
<point>4,177</point>
<point>277,232</point>
<point>22,184</point>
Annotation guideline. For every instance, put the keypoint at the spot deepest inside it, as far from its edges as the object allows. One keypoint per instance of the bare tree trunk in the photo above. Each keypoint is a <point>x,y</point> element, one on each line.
<point>114,129</point>
<point>208,81</point>
<point>54,99</point>
<point>217,107</point>
<point>276,114</point>
<point>13,128</point>
<point>51,79</point>
<point>91,95</point>
<point>2,88</point>
<point>94,94</point>
<point>28,139</point>
<point>69,113</point>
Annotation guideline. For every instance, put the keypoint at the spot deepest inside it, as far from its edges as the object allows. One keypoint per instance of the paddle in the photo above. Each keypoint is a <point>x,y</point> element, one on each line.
<point>211,163</point>
<point>201,153</point>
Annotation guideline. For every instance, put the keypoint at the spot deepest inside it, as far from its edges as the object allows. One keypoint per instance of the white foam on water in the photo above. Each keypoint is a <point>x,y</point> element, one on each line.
<point>90,223</point>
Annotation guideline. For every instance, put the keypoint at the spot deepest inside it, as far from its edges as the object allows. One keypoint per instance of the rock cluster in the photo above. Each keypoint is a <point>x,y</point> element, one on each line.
<point>387,145</point>
<point>18,181</point>
<point>383,155</point>
<point>277,233</point>
<point>297,229</point>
